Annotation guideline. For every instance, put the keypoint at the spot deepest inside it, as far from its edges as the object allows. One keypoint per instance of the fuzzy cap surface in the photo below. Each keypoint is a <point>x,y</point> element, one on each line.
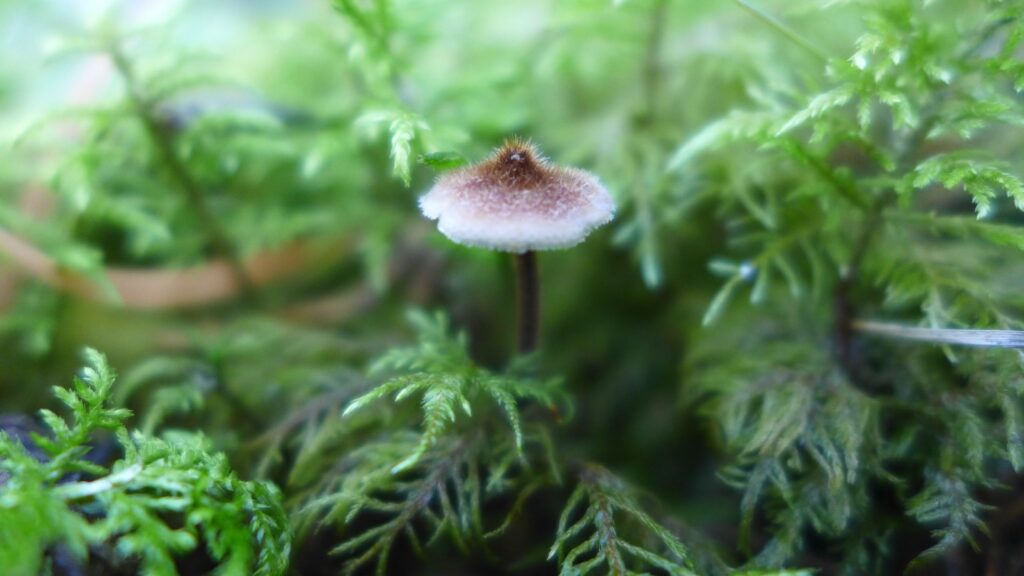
<point>515,201</point>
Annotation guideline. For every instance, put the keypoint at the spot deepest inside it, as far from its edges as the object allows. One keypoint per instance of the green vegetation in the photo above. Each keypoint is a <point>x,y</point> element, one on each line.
<point>794,351</point>
<point>161,499</point>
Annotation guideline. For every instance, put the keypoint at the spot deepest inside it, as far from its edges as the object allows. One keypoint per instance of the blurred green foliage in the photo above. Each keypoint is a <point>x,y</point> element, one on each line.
<point>223,199</point>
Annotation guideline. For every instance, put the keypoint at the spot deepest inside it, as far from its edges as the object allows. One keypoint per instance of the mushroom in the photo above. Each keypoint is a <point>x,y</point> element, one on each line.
<point>517,202</point>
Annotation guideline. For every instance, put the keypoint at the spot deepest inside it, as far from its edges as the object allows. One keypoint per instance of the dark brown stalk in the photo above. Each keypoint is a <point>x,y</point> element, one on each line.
<point>527,301</point>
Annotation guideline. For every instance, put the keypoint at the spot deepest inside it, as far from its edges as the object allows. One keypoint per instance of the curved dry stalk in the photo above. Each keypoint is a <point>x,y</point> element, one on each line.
<point>167,289</point>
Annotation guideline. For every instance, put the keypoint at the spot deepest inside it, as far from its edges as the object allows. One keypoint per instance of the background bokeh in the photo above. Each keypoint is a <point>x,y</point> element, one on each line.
<point>221,196</point>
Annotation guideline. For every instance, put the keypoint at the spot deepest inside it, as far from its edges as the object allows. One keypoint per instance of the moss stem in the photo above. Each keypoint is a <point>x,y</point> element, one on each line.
<point>162,141</point>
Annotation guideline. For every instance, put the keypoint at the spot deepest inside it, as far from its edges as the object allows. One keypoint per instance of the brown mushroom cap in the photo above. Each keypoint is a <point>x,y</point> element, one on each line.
<point>515,201</point>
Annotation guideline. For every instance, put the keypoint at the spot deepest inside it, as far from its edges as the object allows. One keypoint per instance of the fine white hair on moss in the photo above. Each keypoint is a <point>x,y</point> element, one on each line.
<point>516,202</point>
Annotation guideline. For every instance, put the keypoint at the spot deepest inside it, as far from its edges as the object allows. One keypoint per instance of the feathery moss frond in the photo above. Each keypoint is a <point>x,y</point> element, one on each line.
<point>440,370</point>
<point>595,532</point>
<point>165,497</point>
<point>946,501</point>
<point>431,483</point>
<point>437,495</point>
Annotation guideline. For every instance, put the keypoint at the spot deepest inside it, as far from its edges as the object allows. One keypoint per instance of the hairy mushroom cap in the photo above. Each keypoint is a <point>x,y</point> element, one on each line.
<point>515,201</point>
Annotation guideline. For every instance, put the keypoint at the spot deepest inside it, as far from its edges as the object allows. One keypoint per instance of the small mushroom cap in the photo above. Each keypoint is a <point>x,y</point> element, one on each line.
<point>516,202</point>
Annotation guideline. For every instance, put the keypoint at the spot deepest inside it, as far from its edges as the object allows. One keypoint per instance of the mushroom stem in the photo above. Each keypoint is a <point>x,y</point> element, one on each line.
<point>528,301</point>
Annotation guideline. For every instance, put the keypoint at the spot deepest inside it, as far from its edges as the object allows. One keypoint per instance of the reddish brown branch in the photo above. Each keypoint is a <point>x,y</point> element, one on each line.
<point>164,289</point>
